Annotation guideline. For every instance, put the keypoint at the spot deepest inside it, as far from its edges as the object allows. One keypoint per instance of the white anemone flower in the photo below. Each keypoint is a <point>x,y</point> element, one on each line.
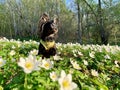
<point>92,54</point>
<point>94,73</point>
<point>65,81</point>
<point>107,48</point>
<point>12,52</point>
<point>71,71</point>
<point>47,64</point>
<point>56,57</point>
<point>53,76</point>
<point>2,62</point>
<point>29,64</point>
<point>116,63</point>
<point>34,52</point>
<point>19,43</point>
<point>107,57</point>
<point>85,62</point>
<point>80,53</point>
<point>13,47</point>
<point>75,65</point>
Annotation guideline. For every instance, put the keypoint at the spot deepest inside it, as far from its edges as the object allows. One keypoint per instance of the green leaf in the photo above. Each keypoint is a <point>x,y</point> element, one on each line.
<point>101,86</point>
<point>80,74</point>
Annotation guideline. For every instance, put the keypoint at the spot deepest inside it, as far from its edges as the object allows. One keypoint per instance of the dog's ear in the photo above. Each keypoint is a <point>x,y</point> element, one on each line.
<point>56,20</point>
<point>45,17</point>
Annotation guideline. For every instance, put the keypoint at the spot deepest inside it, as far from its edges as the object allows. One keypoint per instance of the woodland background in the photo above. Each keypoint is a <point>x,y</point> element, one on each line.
<point>82,21</point>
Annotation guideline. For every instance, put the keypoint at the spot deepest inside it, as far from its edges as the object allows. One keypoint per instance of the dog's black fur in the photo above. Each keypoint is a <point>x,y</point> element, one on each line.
<point>47,31</point>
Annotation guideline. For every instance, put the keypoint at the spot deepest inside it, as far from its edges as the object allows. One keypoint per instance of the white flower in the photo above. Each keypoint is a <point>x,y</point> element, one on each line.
<point>34,52</point>
<point>19,43</point>
<point>107,48</point>
<point>29,64</point>
<point>40,61</point>
<point>56,57</point>
<point>65,82</point>
<point>75,65</point>
<point>53,76</point>
<point>107,57</point>
<point>2,62</point>
<point>71,71</point>
<point>116,63</point>
<point>85,62</point>
<point>79,53</point>
<point>12,52</point>
<point>94,72</point>
<point>3,39</point>
<point>47,64</point>
<point>13,47</point>
<point>92,54</point>
<point>74,53</point>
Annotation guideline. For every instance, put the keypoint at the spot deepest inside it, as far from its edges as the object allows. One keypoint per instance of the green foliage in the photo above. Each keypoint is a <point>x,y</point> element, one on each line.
<point>99,66</point>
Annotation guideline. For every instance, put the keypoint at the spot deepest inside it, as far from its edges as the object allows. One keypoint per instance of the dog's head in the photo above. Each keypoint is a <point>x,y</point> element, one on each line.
<point>50,30</point>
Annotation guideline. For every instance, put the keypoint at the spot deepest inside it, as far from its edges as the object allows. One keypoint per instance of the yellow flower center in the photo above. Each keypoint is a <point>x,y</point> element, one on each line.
<point>1,63</point>
<point>47,65</point>
<point>54,76</point>
<point>65,83</point>
<point>29,65</point>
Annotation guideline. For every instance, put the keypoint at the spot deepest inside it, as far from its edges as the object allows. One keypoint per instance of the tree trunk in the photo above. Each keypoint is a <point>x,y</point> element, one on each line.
<point>14,23</point>
<point>103,34</point>
<point>87,28</point>
<point>79,25</point>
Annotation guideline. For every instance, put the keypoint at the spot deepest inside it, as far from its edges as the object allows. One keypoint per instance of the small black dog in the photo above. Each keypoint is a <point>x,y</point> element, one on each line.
<point>47,30</point>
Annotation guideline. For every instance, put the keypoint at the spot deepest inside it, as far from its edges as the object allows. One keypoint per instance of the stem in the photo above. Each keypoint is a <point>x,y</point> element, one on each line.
<point>25,83</point>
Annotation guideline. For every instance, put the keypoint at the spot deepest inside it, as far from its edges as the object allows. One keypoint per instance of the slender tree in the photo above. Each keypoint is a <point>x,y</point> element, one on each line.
<point>103,34</point>
<point>79,24</point>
